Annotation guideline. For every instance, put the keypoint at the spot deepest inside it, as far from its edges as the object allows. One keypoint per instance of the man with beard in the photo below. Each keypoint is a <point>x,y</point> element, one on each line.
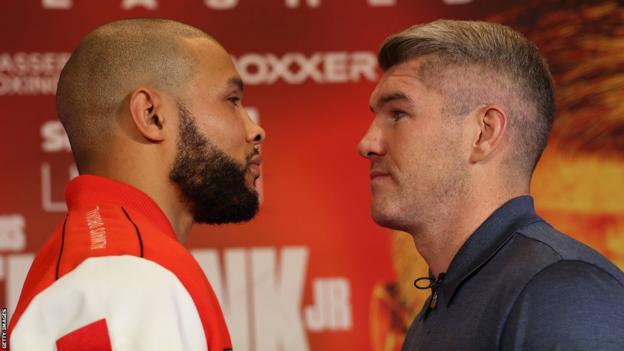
<point>462,115</point>
<point>153,111</point>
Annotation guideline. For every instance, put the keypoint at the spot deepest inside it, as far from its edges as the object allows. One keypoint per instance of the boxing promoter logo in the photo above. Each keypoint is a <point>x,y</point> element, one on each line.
<point>30,73</point>
<point>319,67</point>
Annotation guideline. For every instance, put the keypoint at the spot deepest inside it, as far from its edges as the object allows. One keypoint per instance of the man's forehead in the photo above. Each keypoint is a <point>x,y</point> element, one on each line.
<point>212,60</point>
<point>207,52</point>
<point>402,79</point>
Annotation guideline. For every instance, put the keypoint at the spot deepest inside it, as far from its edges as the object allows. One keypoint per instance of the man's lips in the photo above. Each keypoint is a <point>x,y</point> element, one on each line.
<point>254,165</point>
<point>378,174</point>
<point>255,161</point>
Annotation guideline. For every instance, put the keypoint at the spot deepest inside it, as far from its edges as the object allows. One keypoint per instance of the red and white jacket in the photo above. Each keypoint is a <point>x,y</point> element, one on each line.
<point>114,277</point>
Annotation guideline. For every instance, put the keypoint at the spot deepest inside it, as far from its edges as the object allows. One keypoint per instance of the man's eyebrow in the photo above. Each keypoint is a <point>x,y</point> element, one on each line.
<point>237,83</point>
<point>384,99</point>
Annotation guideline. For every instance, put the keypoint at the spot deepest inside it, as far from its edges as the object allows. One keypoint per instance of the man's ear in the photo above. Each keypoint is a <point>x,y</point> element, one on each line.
<point>145,110</point>
<point>492,126</point>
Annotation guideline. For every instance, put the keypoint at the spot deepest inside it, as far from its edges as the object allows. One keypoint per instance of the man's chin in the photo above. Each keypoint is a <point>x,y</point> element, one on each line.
<point>387,219</point>
<point>239,212</point>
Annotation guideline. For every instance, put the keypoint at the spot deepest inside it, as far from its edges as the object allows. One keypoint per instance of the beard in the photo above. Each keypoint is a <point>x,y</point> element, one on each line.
<point>211,182</point>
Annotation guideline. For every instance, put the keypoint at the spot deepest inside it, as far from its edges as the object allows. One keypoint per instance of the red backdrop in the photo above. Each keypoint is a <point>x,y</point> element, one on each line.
<point>312,270</point>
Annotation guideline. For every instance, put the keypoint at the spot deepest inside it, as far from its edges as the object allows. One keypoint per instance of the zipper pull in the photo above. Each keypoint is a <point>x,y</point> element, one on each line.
<point>434,300</point>
<point>434,289</point>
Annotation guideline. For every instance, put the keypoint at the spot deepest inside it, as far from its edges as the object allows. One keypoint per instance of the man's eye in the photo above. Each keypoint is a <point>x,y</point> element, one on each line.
<point>397,114</point>
<point>234,99</point>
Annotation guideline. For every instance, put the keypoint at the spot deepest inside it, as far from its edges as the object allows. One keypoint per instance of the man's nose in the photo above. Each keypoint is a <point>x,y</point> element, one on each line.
<point>255,133</point>
<point>372,142</point>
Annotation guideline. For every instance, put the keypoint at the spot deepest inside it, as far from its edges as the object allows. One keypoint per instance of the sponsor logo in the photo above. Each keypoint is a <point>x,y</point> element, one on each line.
<point>30,73</point>
<point>97,231</point>
<point>297,68</point>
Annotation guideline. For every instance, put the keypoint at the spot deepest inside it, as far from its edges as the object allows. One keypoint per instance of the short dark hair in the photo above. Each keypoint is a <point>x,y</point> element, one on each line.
<point>488,50</point>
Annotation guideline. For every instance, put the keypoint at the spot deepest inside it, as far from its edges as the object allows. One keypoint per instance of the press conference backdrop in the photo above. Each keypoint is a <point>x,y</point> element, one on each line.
<point>313,272</point>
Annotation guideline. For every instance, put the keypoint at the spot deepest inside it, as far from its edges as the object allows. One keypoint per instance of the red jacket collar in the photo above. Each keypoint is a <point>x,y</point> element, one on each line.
<point>87,190</point>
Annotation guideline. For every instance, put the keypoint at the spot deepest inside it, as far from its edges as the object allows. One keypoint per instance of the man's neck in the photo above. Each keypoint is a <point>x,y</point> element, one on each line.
<point>180,218</point>
<point>168,199</point>
<point>439,240</point>
<point>161,191</point>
